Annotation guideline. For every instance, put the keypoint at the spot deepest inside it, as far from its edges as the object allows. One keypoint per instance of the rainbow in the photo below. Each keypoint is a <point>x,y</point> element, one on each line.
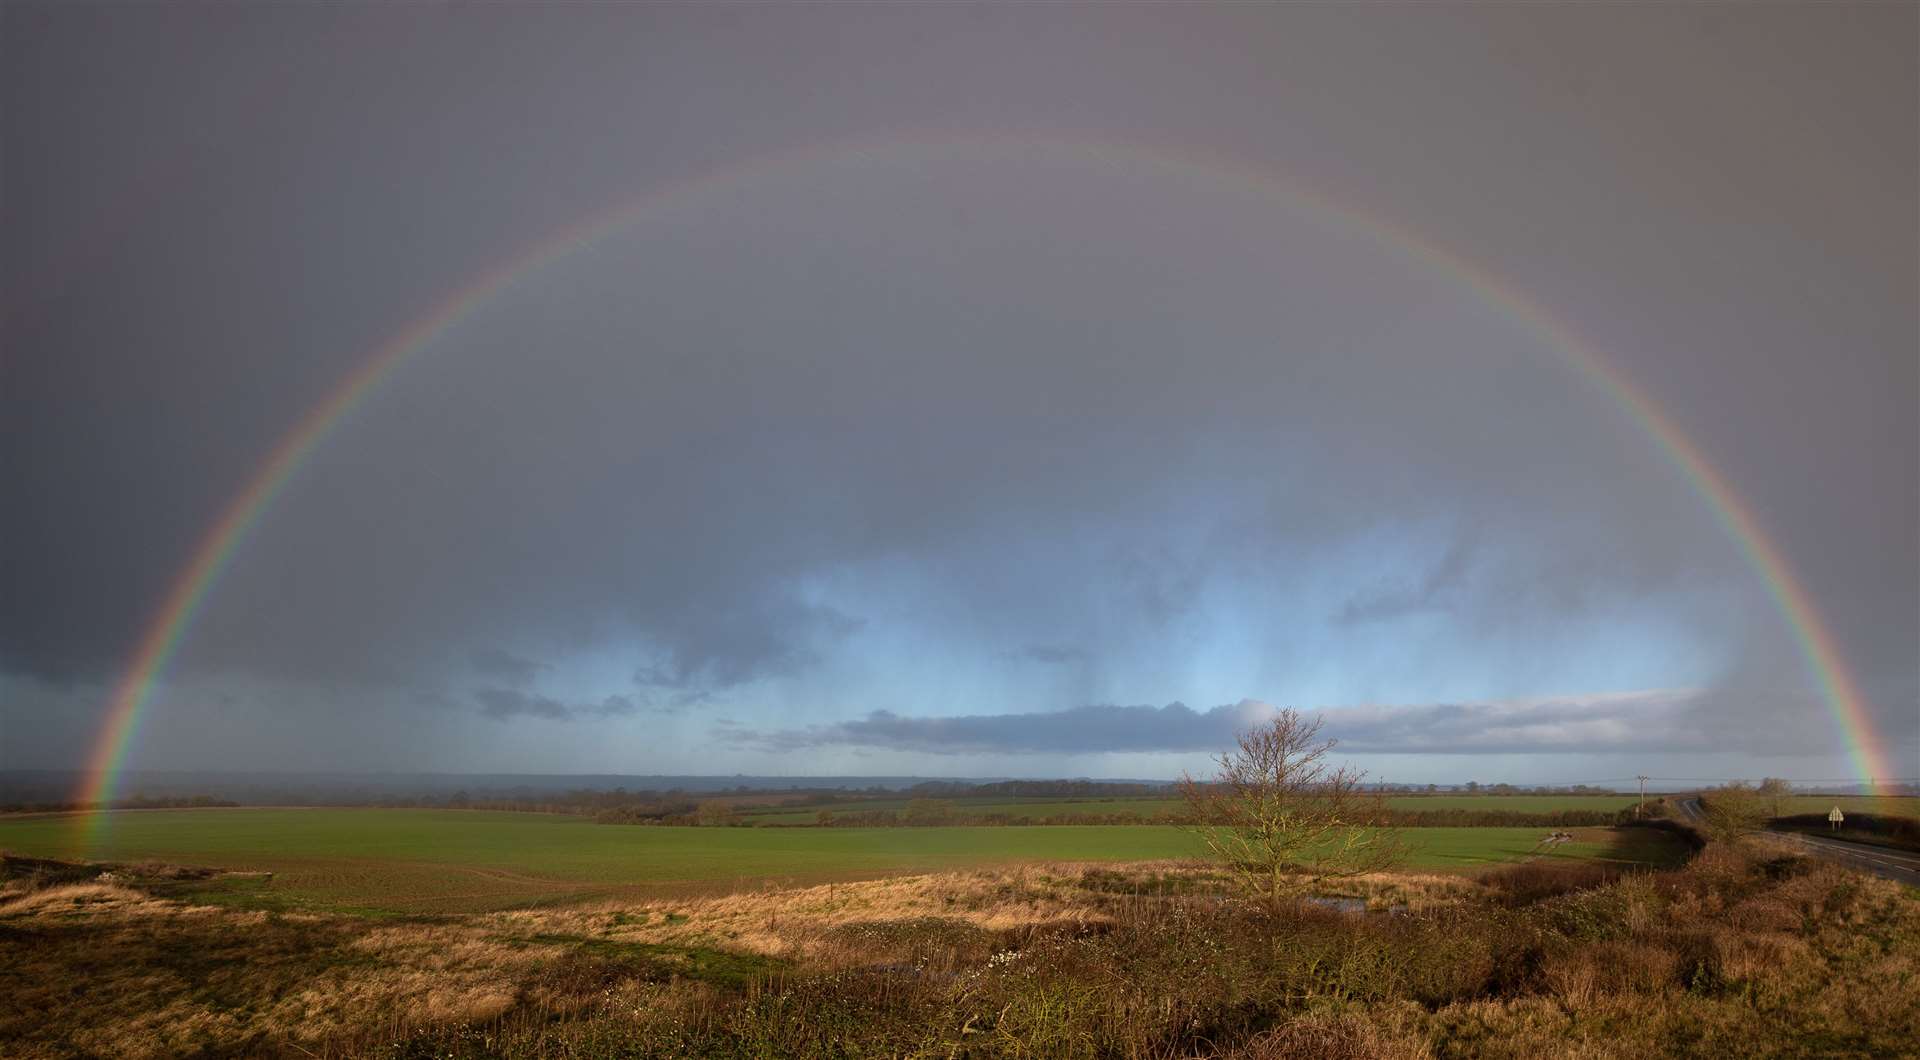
<point>212,555</point>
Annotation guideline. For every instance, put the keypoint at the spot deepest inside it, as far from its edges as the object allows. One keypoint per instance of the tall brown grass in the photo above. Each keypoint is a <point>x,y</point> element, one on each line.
<point>1736,954</point>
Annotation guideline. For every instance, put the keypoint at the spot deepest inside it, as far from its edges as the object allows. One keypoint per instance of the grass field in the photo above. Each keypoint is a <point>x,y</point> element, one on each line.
<point>1736,953</point>
<point>1889,805</point>
<point>418,861</point>
<point>1149,806</point>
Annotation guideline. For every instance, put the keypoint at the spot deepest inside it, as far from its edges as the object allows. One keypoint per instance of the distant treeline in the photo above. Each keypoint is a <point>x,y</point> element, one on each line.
<point>954,789</point>
<point>621,802</point>
<point>137,802</point>
<point>931,802</point>
<point>584,801</point>
<point>1393,819</point>
<point>1474,787</point>
<point>1037,789</point>
<point>941,813</point>
<point>455,801</point>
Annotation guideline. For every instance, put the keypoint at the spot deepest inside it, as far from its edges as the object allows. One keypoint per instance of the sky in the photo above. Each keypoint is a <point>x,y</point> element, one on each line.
<point>961,390</point>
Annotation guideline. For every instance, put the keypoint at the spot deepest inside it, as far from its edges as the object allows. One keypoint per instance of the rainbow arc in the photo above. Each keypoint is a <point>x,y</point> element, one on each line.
<point>189,590</point>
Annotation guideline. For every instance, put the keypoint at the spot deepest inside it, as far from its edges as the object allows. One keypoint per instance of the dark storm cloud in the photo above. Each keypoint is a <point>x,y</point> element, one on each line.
<point>1654,722</point>
<point>502,704</point>
<point>1768,720</point>
<point>806,424</point>
<point>1428,593</point>
<point>761,638</point>
<point>1644,721</point>
<point>506,666</point>
<point>1079,730</point>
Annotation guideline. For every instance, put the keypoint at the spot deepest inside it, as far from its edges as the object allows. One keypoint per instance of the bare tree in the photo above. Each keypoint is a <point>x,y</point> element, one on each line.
<point>1283,818</point>
<point>1776,792</point>
<point>1732,810</point>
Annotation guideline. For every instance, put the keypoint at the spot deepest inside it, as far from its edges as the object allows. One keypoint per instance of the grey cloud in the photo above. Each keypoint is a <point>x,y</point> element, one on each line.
<point>505,666</point>
<point>614,707</point>
<point>1776,720</point>
<point>770,638</point>
<point>973,391</point>
<point>1051,654</point>
<point>1166,586</point>
<point>430,697</point>
<point>1078,730</point>
<point>1427,594</point>
<point>503,704</point>
<point>1653,721</point>
<point>1656,721</point>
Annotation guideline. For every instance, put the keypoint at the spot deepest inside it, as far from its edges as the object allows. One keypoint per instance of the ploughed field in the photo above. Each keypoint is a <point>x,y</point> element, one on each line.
<point>452,861</point>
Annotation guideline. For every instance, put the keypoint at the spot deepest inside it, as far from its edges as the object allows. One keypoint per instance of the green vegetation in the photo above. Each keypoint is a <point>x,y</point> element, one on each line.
<point>1511,803</point>
<point>1731,810</point>
<point>1881,805</point>
<point>447,861</point>
<point>664,963</point>
<point>1028,809</point>
<point>1283,820</point>
<point>1738,953</point>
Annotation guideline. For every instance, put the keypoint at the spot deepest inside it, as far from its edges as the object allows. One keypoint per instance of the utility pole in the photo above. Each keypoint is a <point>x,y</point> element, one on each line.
<point>1642,811</point>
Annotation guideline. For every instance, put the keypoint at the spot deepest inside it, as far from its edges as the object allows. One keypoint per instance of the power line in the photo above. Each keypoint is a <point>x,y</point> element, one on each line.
<point>1877,781</point>
<point>1881,781</point>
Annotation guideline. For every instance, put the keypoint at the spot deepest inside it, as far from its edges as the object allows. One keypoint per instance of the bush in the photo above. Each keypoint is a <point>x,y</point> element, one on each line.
<point>1527,883</point>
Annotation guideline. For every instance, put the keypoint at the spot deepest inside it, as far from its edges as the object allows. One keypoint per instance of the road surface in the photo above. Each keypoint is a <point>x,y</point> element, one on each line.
<point>1897,865</point>
<point>1690,810</point>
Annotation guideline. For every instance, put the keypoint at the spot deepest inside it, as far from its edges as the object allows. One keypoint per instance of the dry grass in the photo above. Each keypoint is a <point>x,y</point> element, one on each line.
<point>783,922</point>
<point>1735,955</point>
<point>1341,1036</point>
<point>105,970</point>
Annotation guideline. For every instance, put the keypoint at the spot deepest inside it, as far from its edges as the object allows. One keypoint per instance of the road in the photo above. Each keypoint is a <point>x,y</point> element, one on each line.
<point>1896,865</point>
<point>1690,810</point>
<point>1887,864</point>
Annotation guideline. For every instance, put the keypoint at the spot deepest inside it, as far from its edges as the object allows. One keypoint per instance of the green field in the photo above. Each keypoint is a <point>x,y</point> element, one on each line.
<point>1025,809</point>
<point>458,861</point>
<point>1149,806</point>
<point>1888,805</point>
